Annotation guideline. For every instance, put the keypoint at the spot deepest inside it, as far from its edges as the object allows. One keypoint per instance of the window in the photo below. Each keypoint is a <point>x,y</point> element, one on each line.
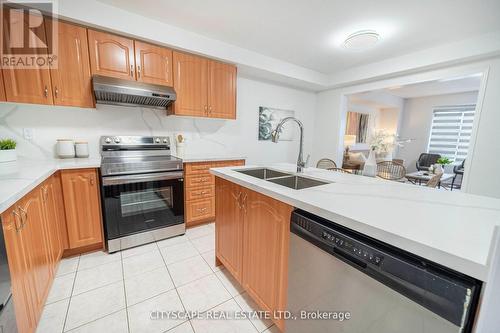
<point>451,131</point>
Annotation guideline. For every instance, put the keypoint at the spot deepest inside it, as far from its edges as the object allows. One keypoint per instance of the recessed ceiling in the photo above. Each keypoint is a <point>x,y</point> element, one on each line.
<point>311,33</point>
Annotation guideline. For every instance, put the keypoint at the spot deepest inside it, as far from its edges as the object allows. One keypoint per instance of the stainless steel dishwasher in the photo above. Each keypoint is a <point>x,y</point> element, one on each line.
<point>335,272</point>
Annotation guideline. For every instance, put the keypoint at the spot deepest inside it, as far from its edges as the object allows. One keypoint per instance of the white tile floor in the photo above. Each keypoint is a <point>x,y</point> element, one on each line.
<point>115,293</point>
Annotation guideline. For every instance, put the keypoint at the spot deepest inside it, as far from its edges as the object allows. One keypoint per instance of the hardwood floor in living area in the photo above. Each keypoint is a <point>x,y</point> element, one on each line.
<point>110,293</point>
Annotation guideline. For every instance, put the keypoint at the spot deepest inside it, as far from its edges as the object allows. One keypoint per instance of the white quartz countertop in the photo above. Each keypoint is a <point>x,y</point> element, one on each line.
<point>453,229</point>
<point>18,178</point>
<point>189,158</point>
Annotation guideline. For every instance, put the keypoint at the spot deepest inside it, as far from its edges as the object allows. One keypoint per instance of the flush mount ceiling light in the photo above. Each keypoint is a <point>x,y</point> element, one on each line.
<point>361,40</point>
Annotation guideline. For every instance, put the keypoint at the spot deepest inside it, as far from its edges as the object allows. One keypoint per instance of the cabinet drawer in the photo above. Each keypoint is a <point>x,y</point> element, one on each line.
<point>221,164</point>
<point>200,193</point>
<point>198,168</point>
<point>199,180</point>
<point>200,209</point>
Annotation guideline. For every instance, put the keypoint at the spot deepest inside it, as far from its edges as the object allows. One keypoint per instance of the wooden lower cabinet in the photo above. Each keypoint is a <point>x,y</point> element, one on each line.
<point>199,192</point>
<point>35,236</point>
<point>229,227</point>
<point>252,236</point>
<point>82,206</point>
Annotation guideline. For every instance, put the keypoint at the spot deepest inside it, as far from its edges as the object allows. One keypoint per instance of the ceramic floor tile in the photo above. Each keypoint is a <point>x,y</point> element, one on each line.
<point>229,282</point>
<point>178,252</point>
<point>203,294</point>
<point>204,244</point>
<point>97,277</point>
<point>141,287</point>
<point>142,263</point>
<point>140,315</point>
<point>61,288</point>
<point>182,328</point>
<point>139,250</point>
<point>209,258</point>
<point>113,323</point>
<point>172,241</point>
<point>224,326</point>
<point>97,258</point>
<point>188,270</point>
<point>95,304</point>
<point>52,319</point>
<point>67,265</point>
<point>248,305</point>
<point>199,231</point>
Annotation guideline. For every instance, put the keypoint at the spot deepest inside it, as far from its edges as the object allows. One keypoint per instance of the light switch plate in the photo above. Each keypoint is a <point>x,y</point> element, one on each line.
<point>28,134</point>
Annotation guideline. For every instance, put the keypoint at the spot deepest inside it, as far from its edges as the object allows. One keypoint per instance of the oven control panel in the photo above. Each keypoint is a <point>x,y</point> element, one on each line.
<point>135,140</point>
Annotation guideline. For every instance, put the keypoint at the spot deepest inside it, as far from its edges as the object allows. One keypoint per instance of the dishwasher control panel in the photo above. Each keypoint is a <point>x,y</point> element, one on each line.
<point>352,247</point>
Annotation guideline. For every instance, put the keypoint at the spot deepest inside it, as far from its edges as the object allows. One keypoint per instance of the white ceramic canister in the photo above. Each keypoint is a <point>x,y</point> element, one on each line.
<point>65,148</point>
<point>82,149</point>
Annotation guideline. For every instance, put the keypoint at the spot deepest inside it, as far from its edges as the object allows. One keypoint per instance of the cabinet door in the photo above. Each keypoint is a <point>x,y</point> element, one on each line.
<point>63,231</point>
<point>191,84</point>
<point>18,268</point>
<point>50,197</point>
<point>265,250</point>
<point>71,81</point>
<point>26,85</point>
<point>111,55</point>
<point>37,247</point>
<point>153,64</point>
<point>81,201</point>
<point>222,91</point>
<point>2,89</point>
<point>229,227</point>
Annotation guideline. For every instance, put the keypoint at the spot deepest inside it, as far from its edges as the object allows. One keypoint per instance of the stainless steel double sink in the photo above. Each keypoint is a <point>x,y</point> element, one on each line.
<point>287,179</point>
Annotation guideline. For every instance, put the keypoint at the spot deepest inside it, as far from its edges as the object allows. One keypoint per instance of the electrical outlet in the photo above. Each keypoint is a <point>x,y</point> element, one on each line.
<point>28,134</point>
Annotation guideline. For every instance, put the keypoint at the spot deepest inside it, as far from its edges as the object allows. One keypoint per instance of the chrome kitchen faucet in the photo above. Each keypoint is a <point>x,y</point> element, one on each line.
<point>275,135</point>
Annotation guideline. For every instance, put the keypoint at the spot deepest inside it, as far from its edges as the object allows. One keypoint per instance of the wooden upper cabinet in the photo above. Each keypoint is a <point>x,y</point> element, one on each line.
<point>71,80</point>
<point>82,206</point>
<point>222,91</point>
<point>229,227</point>
<point>191,84</point>
<point>2,89</point>
<point>111,55</point>
<point>26,85</point>
<point>153,64</point>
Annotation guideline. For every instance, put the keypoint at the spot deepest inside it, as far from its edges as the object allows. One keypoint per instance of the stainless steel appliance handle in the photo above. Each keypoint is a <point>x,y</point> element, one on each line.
<point>129,179</point>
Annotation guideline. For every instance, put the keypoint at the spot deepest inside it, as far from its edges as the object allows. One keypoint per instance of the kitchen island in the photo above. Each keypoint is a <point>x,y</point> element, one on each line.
<point>454,230</point>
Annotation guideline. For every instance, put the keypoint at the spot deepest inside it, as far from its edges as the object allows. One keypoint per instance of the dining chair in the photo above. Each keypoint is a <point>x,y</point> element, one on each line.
<point>391,171</point>
<point>326,163</point>
<point>425,160</point>
<point>434,181</point>
<point>339,170</point>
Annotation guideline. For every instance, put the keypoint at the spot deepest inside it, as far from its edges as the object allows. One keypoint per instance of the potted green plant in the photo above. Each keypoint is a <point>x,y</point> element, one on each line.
<point>440,164</point>
<point>7,150</point>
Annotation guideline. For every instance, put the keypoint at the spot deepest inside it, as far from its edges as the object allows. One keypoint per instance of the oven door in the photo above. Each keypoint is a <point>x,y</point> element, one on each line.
<point>136,203</point>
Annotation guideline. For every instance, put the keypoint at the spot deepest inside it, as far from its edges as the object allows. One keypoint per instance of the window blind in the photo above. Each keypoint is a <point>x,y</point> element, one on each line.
<point>451,131</point>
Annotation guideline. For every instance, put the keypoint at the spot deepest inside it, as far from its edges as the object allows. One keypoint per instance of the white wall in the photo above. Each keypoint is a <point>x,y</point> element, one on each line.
<point>208,136</point>
<point>486,155</point>
<point>417,119</point>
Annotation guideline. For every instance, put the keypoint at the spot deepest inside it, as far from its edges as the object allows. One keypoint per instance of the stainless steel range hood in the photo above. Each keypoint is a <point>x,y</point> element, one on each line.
<point>109,90</point>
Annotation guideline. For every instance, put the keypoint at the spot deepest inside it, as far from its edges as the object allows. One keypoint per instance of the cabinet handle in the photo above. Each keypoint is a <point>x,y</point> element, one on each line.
<point>132,70</point>
<point>201,209</point>
<point>23,219</point>
<point>16,218</point>
<point>206,109</point>
<point>138,71</point>
<point>210,109</point>
<point>46,92</point>
<point>92,181</point>
<point>56,92</point>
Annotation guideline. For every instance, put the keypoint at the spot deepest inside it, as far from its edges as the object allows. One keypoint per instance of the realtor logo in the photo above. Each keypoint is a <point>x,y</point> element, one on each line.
<point>28,35</point>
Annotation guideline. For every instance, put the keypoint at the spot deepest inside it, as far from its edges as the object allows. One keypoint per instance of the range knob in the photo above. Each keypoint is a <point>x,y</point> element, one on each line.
<point>157,140</point>
<point>165,140</point>
<point>117,139</point>
<point>107,140</point>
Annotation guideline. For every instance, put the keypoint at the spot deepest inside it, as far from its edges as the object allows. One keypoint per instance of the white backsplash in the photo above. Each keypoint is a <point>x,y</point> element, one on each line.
<point>203,136</point>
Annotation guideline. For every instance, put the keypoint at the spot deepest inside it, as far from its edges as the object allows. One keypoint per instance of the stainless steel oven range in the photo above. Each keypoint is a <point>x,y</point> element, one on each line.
<point>142,188</point>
